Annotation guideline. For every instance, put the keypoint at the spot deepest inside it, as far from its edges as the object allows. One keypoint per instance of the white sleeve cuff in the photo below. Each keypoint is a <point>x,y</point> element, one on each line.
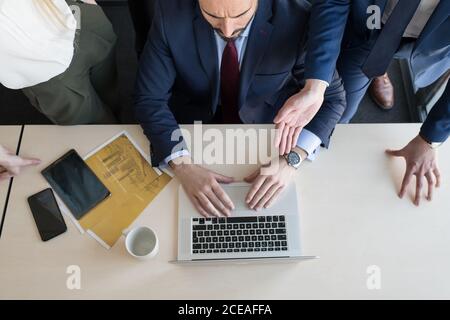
<point>323,81</point>
<point>165,163</point>
<point>309,142</point>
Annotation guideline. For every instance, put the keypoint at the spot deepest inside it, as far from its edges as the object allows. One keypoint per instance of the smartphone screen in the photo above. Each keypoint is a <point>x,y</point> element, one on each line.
<point>47,215</point>
<point>76,184</point>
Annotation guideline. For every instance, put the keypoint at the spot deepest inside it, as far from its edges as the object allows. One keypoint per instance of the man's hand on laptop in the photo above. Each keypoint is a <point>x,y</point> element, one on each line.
<point>269,181</point>
<point>203,187</point>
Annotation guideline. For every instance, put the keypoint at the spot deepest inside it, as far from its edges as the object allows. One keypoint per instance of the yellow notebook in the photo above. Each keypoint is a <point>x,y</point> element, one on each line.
<point>133,184</point>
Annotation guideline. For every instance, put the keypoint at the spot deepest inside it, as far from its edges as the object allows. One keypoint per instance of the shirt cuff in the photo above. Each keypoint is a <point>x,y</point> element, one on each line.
<point>165,163</point>
<point>323,81</point>
<point>309,142</point>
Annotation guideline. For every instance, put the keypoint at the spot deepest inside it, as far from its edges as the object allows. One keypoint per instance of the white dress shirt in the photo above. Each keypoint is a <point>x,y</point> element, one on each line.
<point>34,47</point>
<point>419,20</point>
<point>307,140</point>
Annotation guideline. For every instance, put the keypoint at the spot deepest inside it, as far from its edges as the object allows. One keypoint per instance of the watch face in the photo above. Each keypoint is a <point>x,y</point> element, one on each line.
<point>293,158</point>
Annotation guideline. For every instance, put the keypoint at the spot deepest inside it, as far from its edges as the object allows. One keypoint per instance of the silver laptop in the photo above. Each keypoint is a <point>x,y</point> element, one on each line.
<point>266,235</point>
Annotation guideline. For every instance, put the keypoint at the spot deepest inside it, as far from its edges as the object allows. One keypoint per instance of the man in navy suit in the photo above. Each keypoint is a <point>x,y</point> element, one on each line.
<point>417,30</point>
<point>233,61</point>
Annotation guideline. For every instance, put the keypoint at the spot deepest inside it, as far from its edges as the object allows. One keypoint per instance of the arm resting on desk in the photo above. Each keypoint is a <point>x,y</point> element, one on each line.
<point>156,77</point>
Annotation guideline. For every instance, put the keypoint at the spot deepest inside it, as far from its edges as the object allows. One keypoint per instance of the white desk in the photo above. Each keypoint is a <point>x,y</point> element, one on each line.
<point>9,138</point>
<point>351,217</point>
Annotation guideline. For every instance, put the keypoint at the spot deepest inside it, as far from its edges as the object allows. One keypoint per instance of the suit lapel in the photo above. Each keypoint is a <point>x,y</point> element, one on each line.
<point>207,51</point>
<point>439,15</point>
<point>258,41</point>
<point>373,33</point>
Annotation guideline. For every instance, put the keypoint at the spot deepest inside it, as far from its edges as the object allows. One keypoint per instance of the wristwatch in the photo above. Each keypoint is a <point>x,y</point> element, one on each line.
<point>433,145</point>
<point>293,159</point>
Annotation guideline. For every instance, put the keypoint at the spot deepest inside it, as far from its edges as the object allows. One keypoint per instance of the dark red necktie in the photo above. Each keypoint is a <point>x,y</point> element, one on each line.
<point>229,84</point>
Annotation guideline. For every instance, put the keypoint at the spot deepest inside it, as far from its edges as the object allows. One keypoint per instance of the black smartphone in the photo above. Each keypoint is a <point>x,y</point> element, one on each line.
<point>47,215</point>
<point>75,183</point>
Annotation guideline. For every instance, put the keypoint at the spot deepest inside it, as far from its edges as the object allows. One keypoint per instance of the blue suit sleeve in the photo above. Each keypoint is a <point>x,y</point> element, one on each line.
<point>326,30</point>
<point>155,79</point>
<point>331,111</point>
<point>333,107</point>
<point>436,127</point>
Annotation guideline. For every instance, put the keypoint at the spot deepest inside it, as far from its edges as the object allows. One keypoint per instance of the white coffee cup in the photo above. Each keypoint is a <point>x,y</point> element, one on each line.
<point>141,242</point>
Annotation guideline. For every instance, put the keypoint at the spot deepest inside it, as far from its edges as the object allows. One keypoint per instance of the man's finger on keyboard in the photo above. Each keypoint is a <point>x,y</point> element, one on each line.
<point>218,204</point>
<point>199,208</point>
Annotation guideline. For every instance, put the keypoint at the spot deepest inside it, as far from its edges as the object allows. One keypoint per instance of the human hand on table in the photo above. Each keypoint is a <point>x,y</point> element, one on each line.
<point>296,113</point>
<point>11,165</point>
<point>203,188</point>
<point>421,161</point>
<point>269,181</point>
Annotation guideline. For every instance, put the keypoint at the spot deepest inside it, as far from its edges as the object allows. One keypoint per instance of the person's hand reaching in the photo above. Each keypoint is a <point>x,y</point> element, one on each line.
<point>11,165</point>
<point>296,113</point>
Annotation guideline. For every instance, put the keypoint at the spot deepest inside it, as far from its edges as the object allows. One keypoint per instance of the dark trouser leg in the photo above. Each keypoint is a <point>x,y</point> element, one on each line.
<point>355,81</point>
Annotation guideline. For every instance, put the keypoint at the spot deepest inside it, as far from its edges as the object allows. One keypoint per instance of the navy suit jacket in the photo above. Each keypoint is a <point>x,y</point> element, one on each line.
<point>333,21</point>
<point>178,78</point>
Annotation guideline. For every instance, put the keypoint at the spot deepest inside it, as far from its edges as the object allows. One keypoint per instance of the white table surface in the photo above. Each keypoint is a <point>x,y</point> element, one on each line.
<point>9,138</point>
<point>351,217</point>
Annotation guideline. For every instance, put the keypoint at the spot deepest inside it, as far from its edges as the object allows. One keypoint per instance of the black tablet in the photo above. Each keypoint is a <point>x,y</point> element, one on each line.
<point>75,183</point>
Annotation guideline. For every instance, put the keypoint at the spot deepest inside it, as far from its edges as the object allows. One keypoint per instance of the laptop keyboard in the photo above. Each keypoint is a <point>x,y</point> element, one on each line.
<point>239,234</point>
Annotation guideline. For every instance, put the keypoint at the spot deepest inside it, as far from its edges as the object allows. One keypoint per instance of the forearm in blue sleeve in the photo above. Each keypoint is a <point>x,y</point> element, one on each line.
<point>326,30</point>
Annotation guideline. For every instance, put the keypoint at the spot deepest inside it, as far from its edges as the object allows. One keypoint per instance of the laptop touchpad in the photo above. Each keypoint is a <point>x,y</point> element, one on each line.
<point>237,194</point>
<point>284,204</point>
